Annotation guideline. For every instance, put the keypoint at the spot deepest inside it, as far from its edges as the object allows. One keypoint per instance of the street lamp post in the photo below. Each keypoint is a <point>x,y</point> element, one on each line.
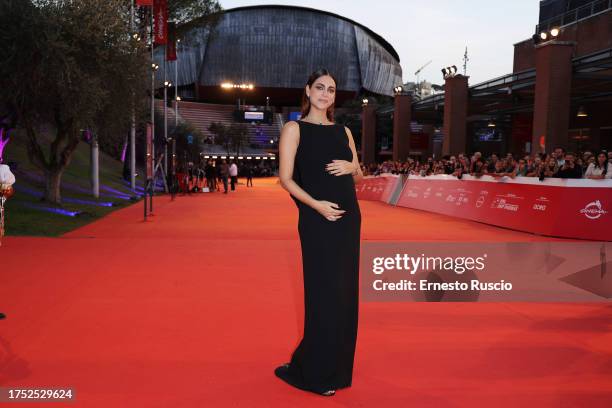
<point>167,84</point>
<point>133,124</point>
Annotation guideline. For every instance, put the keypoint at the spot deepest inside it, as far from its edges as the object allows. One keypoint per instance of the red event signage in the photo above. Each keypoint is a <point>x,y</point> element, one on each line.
<point>555,207</point>
<point>160,26</point>
<point>377,188</point>
<point>171,47</point>
<point>144,2</point>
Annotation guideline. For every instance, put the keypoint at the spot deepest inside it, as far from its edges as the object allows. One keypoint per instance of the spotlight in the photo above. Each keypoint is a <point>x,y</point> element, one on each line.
<point>453,69</point>
<point>491,124</point>
<point>582,113</point>
<point>364,101</point>
<point>154,67</point>
<point>178,98</point>
<point>543,35</point>
<point>554,32</point>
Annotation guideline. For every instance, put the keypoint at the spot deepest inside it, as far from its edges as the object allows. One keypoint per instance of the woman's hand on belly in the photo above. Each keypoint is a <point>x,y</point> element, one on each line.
<point>331,211</point>
<point>340,167</point>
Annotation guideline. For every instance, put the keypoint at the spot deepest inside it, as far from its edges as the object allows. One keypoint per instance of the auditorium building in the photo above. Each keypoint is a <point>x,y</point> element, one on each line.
<point>253,63</point>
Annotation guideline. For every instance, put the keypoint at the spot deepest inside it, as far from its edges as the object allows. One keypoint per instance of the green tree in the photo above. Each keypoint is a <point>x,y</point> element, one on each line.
<point>69,65</point>
<point>183,11</point>
<point>238,135</point>
<point>222,135</point>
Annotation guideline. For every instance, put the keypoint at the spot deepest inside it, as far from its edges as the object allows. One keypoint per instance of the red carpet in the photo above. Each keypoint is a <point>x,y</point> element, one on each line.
<point>196,308</point>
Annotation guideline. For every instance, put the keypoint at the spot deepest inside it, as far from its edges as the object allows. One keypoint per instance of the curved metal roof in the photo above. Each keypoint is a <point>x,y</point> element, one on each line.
<point>279,46</point>
<point>377,37</point>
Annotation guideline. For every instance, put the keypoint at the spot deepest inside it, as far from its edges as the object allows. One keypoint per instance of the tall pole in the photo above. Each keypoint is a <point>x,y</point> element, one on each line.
<point>133,128</point>
<point>176,108</point>
<point>165,110</point>
<point>95,173</point>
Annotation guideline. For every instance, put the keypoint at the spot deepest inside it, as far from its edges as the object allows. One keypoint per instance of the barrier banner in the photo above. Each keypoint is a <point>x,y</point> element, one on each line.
<point>377,188</point>
<point>554,207</point>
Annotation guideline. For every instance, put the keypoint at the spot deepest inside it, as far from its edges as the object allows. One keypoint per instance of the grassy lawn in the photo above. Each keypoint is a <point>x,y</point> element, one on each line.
<point>26,214</point>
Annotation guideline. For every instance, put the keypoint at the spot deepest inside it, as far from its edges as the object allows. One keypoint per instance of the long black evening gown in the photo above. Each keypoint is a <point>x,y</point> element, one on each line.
<point>330,257</point>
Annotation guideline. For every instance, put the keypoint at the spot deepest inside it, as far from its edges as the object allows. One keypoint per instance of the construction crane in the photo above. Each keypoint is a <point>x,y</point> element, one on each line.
<point>418,84</point>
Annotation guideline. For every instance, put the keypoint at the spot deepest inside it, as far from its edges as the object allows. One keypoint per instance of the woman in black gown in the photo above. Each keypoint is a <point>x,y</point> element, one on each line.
<point>319,168</point>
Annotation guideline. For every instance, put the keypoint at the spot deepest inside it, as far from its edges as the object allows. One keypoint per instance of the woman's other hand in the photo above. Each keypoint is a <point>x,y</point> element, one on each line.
<point>331,211</point>
<point>340,167</point>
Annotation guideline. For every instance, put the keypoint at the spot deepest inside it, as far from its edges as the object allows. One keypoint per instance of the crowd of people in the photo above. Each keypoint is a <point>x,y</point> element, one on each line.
<point>558,164</point>
<point>212,175</point>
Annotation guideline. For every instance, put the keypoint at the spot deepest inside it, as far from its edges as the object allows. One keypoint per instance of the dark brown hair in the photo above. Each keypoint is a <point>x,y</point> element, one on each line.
<point>311,79</point>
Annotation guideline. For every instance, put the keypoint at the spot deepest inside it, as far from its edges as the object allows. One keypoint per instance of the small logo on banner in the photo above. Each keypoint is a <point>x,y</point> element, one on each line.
<point>502,204</point>
<point>593,210</point>
<point>480,201</point>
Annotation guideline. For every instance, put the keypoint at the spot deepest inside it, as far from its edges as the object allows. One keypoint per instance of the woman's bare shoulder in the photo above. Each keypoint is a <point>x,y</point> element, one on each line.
<point>292,124</point>
<point>291,129</point>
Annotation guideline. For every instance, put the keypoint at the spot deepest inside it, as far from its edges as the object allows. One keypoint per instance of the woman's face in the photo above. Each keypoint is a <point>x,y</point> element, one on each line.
<point>322,93</point>
<point>601,158</point>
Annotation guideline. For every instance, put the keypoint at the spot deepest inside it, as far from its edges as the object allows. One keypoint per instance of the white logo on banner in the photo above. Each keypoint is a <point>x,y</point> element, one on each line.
<point>593,210</point>
<point>480,201</point>
<point>503,205</point>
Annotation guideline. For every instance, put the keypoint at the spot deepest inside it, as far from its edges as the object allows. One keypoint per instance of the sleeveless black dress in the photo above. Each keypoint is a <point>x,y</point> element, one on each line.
<point>330,258</point>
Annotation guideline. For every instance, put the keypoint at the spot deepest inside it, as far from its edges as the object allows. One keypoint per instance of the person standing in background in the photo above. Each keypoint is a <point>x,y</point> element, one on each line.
<point>248,170</point>
<point>233,173</point>
<point>224,173</point>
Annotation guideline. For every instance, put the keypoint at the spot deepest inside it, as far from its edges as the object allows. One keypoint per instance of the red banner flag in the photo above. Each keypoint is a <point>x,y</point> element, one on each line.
<point>160,18</point>
<point>144,2</point>
<point>171,46</point>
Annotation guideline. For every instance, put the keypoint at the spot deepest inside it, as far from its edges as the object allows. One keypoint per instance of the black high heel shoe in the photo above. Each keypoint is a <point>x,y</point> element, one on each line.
<point>282,373</point>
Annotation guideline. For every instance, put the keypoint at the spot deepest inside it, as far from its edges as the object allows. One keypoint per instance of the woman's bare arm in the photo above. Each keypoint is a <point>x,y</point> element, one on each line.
<point>357,174</point>
<point>287,148</point>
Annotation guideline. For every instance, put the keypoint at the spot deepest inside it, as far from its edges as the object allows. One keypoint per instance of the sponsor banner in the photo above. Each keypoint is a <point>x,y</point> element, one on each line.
<point>378,188</point>
<point>555,207</point>
<point>160,18</point>
<point>557,271</point>
<point>144,2</point>
<point>171,46</point>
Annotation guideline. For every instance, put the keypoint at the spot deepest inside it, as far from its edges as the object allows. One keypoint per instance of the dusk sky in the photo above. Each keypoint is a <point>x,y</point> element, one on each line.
<point>438,30</point>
